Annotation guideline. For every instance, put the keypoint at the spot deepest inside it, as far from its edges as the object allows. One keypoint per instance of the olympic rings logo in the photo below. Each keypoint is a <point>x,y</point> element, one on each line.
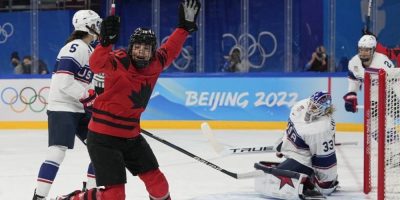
<point>186,54</point>
<point>255,49</point>
<point>26,97</point>
<point>6,31</point>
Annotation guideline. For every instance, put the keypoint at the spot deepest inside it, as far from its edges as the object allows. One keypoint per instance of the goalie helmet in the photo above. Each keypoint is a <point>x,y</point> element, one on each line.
<point>319,104</point>
<point>87,21</point>
<point>366,47</point>
<point>142,36</point>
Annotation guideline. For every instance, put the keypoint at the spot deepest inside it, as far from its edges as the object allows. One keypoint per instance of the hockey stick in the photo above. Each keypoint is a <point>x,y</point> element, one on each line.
<point>112,9</point>
<point>251,174</point>
<point>220,149</point>
<point>368,18</point>
<point>346,143</point>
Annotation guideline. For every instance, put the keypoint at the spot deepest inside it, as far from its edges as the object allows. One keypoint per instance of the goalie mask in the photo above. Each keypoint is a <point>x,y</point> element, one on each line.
<point>87,21</point>
<point>142,47</point>
<point>319,104</point>
<point>366,47</point>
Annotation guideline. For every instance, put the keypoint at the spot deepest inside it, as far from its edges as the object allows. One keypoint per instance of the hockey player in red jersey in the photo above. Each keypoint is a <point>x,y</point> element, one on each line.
<point>114,140</point>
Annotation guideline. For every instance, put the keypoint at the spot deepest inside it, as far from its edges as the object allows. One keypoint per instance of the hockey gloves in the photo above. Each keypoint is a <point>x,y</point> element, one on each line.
<point>88,99</point>
<point>188,11</point>
<point>109,30</point>
<point>350,102</point>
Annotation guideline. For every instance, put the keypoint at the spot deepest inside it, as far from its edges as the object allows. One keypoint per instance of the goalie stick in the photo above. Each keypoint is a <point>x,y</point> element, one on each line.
<point>245,175</point>
<point>222,150</point>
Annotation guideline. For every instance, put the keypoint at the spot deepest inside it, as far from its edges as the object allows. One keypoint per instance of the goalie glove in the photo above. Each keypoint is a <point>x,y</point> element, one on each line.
<point>88,99</point>
<point>109,30</point>
<point>188,11</point>
<point>350,102</point>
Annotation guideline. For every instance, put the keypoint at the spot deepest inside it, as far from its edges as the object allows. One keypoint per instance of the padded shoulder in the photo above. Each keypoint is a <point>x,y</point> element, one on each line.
<point>122,56</point>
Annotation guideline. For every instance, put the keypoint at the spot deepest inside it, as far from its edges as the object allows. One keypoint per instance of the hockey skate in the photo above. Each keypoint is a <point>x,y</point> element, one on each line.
<point>312,194</point>
<point>68,196</point>
<point>38,197</point>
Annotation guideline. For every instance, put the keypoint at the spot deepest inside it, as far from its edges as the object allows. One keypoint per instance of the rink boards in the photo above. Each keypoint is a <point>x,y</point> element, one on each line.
<point>261,102</point>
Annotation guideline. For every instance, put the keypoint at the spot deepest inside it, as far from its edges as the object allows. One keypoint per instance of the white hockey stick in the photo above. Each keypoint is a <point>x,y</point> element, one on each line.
<point>222,150</point>
<point>346,143</point>
<point>207,132</point>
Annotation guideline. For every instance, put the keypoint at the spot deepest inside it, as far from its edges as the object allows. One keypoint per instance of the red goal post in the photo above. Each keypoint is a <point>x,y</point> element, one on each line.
<point>381,133</point>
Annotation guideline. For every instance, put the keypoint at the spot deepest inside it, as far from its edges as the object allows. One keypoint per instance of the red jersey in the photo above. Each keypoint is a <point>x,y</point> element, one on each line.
<point>127,89</point>
<point>392,54</point>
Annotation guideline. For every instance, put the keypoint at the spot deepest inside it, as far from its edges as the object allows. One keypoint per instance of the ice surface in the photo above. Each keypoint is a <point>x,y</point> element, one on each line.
<point>23,151</point>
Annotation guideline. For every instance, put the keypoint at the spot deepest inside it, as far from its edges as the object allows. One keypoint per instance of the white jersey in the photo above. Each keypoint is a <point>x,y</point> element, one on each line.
<point>71,77</point>
<point>311,144</point>
<point>356,69</point>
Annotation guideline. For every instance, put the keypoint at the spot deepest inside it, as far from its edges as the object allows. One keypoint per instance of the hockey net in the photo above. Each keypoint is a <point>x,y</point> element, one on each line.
<point>381,133</point>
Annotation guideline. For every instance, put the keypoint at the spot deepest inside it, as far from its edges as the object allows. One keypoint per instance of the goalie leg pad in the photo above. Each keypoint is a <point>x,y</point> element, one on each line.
<point>293,165</point>
<point>285,184</point>
<point>279,183</point>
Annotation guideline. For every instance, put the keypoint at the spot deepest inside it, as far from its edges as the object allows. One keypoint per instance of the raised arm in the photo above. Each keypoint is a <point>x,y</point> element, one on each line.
<point>102,58</point>
<point>391,53</point>
<point>188,11</point>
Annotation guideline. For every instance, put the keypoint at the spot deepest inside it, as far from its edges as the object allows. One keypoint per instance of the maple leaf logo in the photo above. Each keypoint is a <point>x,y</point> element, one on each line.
<point>141,98</point>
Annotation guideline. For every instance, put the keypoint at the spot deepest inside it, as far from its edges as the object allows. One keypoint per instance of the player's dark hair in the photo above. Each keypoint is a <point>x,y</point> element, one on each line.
<point>77,35</point>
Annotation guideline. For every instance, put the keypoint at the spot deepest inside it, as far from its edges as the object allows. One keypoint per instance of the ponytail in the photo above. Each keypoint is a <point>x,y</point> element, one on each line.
<point>77,35</point>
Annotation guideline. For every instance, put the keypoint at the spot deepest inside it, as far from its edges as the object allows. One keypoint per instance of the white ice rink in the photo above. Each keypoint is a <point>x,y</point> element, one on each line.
<point>23,151</point>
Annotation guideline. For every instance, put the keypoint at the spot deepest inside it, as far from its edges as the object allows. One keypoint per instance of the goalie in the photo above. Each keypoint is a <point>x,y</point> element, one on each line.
<point>309,171</point>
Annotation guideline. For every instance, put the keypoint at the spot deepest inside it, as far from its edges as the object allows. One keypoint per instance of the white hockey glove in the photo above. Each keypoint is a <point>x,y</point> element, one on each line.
<point>98,82</point>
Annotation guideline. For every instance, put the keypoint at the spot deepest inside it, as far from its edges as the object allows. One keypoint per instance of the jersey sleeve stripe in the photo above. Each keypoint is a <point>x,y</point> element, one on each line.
<point>324,161</point>
<point>69,64</point>
<point>295,138</point>
<point>64,72</point>
<point>351,75</point>
<point>82,80</point>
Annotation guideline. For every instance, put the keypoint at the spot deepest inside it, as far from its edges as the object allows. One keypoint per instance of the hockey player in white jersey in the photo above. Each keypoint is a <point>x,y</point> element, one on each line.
<point>308,144</point>
<point>70,97</point>
<point>366,57</point>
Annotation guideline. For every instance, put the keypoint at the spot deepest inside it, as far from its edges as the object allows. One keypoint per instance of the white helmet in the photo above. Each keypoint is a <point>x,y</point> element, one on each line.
<point>367,41</point>
<point>87,18</point>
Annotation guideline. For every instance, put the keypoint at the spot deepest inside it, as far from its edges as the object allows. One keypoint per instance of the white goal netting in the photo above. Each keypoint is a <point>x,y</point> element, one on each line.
<point>382,128</point>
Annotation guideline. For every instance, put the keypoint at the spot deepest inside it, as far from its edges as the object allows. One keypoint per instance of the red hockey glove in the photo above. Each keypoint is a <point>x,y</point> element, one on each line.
<point>88,99</point>
<point>350,102</point>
